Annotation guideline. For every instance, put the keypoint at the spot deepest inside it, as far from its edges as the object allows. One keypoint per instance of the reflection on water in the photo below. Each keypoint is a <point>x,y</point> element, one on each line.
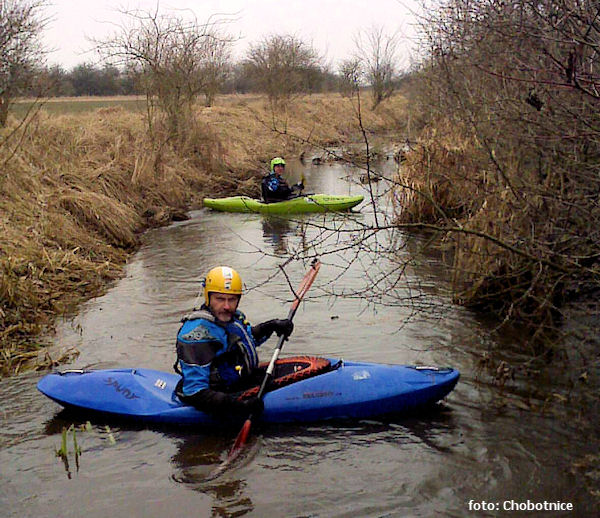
<point>282,451</point>
<point>275,231</point>
<point>482,443</point>
<point>195,460</point>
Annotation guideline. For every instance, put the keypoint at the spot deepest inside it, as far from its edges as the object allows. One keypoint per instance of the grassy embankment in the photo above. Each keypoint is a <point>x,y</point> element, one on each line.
<point>77,188</point>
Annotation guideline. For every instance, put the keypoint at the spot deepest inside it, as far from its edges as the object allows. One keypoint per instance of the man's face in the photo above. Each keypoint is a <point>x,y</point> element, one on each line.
<point>223,305</point>
<point>278,169</point>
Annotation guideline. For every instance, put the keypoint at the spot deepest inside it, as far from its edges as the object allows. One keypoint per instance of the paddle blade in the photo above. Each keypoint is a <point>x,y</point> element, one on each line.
<point>241,439</point>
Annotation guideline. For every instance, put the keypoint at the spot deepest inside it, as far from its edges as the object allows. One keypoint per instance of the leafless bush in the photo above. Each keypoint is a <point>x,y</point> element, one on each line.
<point>515,87</point>
<point>377,53</point>
<point>215,65</point>
<point>175,58</point>
<point>281,65</point>
<point>350,72</point>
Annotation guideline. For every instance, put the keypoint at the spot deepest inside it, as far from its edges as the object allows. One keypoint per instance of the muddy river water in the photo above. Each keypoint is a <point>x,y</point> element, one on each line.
<point>503,448</point>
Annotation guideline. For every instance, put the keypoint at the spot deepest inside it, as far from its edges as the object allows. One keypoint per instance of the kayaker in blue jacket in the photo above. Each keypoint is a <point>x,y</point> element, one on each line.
<point>216,348</point>
<point>274,187</point>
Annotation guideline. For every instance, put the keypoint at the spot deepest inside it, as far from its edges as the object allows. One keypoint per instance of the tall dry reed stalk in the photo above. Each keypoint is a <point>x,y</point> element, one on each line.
<point>440,180</point>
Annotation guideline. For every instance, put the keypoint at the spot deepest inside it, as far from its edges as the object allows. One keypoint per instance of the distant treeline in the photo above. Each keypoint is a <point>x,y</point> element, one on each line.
<point>90,80</point>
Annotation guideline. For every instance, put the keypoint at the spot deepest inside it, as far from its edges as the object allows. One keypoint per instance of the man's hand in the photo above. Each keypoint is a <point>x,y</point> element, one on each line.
<point>253,405</point>
<point>283,327</point>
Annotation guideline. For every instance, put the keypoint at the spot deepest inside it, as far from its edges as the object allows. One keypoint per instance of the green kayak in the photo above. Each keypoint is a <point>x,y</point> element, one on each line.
<point>298,205</point>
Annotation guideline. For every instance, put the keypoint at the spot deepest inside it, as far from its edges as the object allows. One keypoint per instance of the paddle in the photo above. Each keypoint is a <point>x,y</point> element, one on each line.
<point>244,433</point>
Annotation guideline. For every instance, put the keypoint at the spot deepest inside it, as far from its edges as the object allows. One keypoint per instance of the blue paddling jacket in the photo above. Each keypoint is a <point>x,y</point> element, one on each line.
<point>215,355</point>
<point>217,359</point>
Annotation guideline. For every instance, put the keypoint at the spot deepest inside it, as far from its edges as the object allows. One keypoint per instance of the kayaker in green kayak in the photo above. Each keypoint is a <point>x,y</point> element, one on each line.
<point>216,348</point>
<point>274,187</point>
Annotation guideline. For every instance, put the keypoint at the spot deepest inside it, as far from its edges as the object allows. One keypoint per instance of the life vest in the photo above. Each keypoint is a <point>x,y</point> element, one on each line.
<point>214,355</point>
<point>275,188</point>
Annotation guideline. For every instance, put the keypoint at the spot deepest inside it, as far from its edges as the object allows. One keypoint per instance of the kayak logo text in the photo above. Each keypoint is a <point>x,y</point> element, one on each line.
<point>124,391</point>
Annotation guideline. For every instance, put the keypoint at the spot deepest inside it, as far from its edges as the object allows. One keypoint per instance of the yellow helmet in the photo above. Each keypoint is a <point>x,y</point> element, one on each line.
<point>222,279</point>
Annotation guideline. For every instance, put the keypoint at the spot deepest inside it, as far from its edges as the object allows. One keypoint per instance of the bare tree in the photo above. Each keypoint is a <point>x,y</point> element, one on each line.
<point>21,22</point>
<point>506,171</point>
<point>176,59</point>
<point>215,65</point>
<point>377,53</point>
<point>281,66</point>
<point>350,72</point>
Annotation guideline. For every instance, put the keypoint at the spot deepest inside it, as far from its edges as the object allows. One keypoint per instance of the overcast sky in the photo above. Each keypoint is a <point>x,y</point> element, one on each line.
<point>328,24</point>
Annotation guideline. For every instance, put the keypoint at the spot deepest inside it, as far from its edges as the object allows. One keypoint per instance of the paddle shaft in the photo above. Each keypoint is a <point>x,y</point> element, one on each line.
<point>245,431</point>
<point>304,286</point>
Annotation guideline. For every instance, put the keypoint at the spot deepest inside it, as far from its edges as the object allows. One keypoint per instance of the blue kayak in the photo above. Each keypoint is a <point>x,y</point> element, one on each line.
<point>344,390</point>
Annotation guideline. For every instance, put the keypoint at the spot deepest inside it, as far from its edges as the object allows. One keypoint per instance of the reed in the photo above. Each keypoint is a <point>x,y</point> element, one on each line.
<point>441,179</point>
<point>63,451</point>
<point>496,224</point>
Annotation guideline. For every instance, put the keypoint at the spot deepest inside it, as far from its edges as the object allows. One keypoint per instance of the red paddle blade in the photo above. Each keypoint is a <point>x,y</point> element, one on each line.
<point>235,452</point>
<point>241,440</point>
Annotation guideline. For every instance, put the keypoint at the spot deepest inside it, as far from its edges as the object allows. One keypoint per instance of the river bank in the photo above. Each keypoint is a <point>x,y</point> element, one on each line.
<point>78,189</point>
<point>493,440</point>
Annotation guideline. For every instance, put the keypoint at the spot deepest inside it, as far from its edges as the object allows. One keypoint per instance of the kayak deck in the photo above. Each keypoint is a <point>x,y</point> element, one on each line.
<point>347,390</point>
<point>299,205</point>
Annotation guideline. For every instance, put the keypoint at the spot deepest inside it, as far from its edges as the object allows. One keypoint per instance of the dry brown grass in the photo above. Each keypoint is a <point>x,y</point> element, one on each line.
<point>441,179</point>
<point>449,184</point>
<point>319,119</point>
<point>76,191</point>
